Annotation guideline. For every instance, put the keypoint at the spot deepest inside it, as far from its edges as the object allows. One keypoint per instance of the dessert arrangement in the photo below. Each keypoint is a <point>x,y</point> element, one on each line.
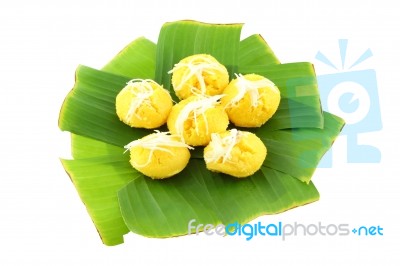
<point>211,127</point>
<point>199,119</point>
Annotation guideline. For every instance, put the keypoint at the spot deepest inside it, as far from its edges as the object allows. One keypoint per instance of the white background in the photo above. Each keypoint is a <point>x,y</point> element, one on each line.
<point>42,220</point>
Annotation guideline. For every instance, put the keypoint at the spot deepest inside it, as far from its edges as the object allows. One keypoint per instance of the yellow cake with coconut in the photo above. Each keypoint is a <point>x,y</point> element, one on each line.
<point>159,155</point>
<point>250,100</point>
<point>199,74</point>
<point>143,104</point>
<point>236,153</point>
<point>196,118</point>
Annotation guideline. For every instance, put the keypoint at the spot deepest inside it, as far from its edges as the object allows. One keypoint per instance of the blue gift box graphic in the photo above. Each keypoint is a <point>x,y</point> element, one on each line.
<point>353,95</point>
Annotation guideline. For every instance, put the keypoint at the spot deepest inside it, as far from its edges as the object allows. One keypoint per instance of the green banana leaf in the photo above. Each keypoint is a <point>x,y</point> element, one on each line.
<point>137,59</point>
<point>294,152</point>
<point>97,183</point>
<point>83,148</point>
<point>164,208</point>
<point>255,51</point>
<point>181,39</point>
<point>100,166</point>
<point>98,137</point>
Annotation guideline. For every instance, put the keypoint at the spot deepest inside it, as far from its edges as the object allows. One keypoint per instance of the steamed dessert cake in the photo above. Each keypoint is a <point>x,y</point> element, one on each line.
<point>196,118</point>
<point>199,74</point>
<point>143,104</point>
<point>159,155</point>
<point>250,100</point>
<point>236,153</point>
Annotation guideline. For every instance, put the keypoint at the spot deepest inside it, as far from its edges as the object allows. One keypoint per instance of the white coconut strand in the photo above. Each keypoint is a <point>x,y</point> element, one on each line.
<point>157,142</point>
<point>222,147</point>
<point>142,90</point>
<point>198,107</point>
<point>197,69</point>
<point>249,86</point>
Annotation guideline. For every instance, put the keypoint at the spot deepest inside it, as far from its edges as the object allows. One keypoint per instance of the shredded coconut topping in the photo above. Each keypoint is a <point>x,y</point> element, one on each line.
<point>196,68</point>
<point>159,141</point>
<point>249,86</point>
<point>195,108</point>
<point>222,147</point>
<point>142,90</point>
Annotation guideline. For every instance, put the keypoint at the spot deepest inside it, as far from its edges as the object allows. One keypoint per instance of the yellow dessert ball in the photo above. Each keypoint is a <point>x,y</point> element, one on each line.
<point>251,100</point>
<point>199,74</point>
<point>236,153</point>
<point>159,155</point>
<point>143,104</point>
<point>196,118</point>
